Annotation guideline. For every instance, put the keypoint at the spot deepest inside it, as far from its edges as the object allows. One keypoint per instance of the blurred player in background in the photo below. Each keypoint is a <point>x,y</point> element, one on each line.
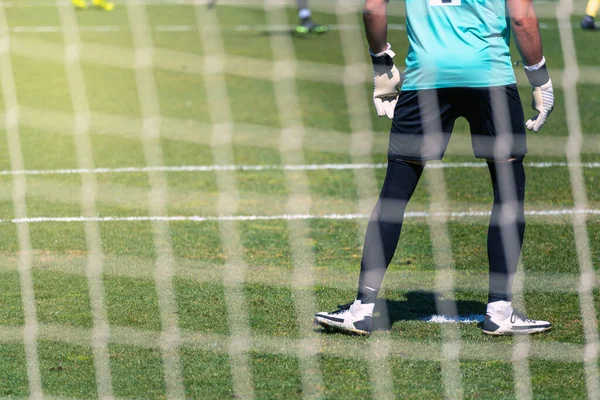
<point>307,25</point>
<point>590,13</point>
<point>103,4</point>
<point>458,65</point>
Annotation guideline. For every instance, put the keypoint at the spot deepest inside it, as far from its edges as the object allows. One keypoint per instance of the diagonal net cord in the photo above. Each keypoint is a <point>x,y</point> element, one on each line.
<point>234,274</point>
<point>579,220</point>
<point>85,160</point>
<point>300,200</point>
<point>157,202</point>
<point>442,254</point>
<point>30,330</point>
<point>359,109</point>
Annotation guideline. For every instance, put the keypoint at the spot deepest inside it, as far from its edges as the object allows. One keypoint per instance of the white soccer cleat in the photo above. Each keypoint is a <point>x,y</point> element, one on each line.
<point>513,324</point>
<point>351,318</point>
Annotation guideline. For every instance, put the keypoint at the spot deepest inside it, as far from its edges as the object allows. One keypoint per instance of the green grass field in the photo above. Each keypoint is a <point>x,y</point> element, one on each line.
<point>272,255</point>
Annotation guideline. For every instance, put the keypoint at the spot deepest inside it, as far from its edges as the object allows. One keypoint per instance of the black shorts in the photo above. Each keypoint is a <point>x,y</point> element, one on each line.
<point>423,122</point>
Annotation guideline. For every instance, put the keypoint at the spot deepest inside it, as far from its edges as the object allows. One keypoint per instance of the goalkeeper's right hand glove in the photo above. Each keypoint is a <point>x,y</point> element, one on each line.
<point>543,94</point>
<point>387,82</point>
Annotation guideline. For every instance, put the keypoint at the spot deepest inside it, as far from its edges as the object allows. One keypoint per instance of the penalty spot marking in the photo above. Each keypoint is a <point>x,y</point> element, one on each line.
<point>443,319</point>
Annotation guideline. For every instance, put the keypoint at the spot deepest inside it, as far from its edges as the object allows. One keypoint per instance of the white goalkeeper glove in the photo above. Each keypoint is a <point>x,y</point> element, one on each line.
<point>387,80</point>
<point>543,94</point>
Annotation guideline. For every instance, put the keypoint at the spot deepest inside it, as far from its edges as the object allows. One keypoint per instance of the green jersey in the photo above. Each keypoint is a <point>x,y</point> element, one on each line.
<point>457,43</point>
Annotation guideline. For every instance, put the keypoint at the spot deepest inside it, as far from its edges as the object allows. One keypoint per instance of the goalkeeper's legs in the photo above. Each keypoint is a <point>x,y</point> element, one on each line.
<point>415,137</point>
<point>383,230</point>
<point>507,226</point>
<point>381,241</point>
<point>590,13</point>
<point>498,135</point>
<point>505,239</point>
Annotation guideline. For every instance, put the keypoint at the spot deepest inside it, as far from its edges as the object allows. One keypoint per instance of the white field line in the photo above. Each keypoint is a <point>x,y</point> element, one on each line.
<point>182,28</point>
<point>192,28</point>
<point>300,167</point>
<point>287,217</point>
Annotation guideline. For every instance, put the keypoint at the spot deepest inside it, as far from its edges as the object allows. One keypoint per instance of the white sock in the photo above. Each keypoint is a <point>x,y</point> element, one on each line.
<point>499,308</point>
<point>304,13</point>
<point>360,309</point>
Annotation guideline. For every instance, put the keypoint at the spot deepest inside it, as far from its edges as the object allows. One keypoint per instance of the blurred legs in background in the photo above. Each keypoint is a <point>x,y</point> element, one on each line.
<point>306,24</point>
<point>103,4</point>
<point>590,13</point>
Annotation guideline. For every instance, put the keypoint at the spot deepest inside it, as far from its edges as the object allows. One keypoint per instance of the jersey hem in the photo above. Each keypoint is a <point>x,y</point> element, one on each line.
<point>445,85</point>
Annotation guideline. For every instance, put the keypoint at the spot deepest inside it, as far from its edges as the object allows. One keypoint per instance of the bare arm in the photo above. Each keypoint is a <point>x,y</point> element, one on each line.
<point>375,19</point>
<point>526,30</point>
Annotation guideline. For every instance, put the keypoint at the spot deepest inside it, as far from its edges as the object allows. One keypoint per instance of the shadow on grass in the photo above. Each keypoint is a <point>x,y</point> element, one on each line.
<point>418,306</point>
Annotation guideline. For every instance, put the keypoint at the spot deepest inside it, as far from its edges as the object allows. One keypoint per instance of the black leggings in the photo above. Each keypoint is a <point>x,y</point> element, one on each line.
<point>505,233</point>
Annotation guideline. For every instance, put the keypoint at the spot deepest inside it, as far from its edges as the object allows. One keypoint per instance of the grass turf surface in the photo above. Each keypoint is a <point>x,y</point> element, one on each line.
<point>60,250</point>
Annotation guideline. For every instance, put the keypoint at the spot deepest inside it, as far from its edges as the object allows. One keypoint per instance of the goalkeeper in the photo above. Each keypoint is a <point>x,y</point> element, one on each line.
<point>103,4</point>
<point>590,13</point>
<point>458,65</point>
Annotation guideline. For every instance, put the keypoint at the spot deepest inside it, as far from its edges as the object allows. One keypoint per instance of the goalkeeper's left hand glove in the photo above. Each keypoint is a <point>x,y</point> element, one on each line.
<point>543,94</point>
<point>387,82</point>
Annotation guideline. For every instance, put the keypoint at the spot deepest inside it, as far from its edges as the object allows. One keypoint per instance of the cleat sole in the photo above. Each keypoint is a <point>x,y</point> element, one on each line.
<point>330,328</point>
<point>521,332</point>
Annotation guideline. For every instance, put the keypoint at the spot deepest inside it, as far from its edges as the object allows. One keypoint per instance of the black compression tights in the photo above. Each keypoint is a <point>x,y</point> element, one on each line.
<point>504,241</point>
<point>383,230</point>
<point>507,226</point>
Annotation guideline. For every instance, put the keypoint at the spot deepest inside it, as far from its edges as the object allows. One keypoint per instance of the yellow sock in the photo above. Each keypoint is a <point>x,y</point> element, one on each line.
<point>592,8</point>
<point>79,3</point>
<point>104,4</point>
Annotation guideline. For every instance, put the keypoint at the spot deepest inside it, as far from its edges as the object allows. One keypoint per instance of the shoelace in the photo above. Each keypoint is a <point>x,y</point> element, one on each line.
<point>516,314</point>
<point>341,309</point>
